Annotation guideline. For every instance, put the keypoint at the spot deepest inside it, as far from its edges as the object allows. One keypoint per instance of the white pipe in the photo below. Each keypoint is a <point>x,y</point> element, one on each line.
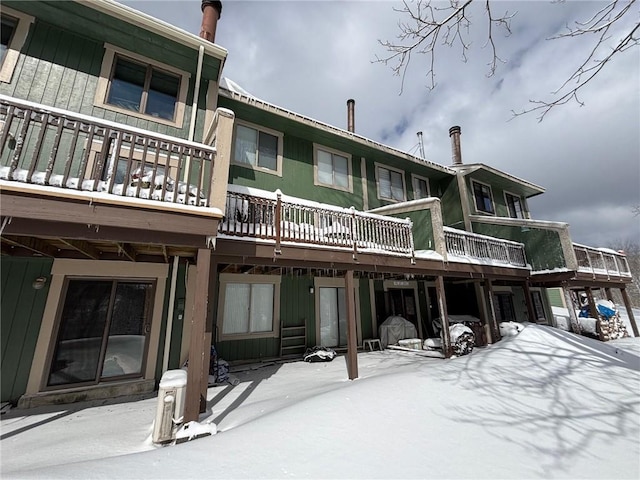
<point>194,106</point>
<point>172,298</point>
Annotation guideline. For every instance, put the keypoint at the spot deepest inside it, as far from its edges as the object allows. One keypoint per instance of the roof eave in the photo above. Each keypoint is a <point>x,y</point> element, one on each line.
<point>135,17</point>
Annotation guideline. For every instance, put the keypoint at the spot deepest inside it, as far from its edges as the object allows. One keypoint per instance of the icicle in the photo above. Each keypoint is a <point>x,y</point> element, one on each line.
<point>211,242</point>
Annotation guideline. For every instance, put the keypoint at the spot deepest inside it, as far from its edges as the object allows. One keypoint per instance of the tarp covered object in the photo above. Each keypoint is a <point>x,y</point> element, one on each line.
<point>396,328</point>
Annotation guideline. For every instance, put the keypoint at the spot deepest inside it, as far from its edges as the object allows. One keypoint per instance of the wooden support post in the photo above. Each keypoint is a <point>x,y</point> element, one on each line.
<point>593,312</point>
<point>493,321</point>
<point>531,312</point>
<point>607,292</point>
<point>195,373</point>
<point>444,318</point>
<point>627,305</point>
<point>352,335</point>
<point>208,334</point>
<point>575,326</point>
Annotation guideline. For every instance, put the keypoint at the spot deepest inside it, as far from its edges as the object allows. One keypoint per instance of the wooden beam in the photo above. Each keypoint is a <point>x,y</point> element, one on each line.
<point>35,245</point>
<point>128,251</point>
<point>494,329</point>
<point>208,330</point>
<point>352,336</point>
<point>195,372</point>
<point>531,312</point>
<point>575,326</point>
<point>444,317</point>
<point>593,312</point>
<point>83,247</point>
<point>627,305</point>
<point>48,229</point>
<point>92,212</point>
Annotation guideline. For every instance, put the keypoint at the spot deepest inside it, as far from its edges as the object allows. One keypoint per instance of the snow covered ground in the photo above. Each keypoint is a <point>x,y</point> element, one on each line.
<point>541,404</point>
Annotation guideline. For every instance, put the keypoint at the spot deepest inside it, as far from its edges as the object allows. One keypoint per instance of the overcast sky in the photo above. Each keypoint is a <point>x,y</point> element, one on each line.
<point>310,57</point>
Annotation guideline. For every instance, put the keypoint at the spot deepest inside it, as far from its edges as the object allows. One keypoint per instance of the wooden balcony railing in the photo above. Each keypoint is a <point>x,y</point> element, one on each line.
<point>56,148</point>
<point>466,244</point>
<point>285,220</point>
<point>601,261</point>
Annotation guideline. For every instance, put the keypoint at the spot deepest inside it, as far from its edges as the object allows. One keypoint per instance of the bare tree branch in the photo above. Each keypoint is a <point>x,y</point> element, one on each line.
<point>429,27</point>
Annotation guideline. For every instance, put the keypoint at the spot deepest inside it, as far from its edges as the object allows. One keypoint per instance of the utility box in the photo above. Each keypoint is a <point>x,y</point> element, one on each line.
<point>170,407</point>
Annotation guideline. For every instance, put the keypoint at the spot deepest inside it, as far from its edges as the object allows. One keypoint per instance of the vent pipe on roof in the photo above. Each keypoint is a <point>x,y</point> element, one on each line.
<point>211,11</point>
<point>351,106</point>
<point>456,153</point>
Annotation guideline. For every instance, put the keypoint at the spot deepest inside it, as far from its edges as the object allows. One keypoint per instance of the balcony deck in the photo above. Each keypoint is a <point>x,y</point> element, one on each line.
<point>54,148</point>
<point>601,262</point>
<point>281,220</point>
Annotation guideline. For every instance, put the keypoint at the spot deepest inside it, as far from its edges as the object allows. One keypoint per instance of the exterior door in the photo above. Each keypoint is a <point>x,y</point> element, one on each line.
<point>333,317</point>
<point>102,331</point>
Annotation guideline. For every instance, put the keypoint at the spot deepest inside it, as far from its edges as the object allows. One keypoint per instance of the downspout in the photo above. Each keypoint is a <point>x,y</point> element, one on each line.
<point>172,298</point>
<point>194,107</point>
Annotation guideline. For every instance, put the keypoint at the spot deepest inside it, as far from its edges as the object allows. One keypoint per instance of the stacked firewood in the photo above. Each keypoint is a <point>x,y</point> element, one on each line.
<point>611,328</point>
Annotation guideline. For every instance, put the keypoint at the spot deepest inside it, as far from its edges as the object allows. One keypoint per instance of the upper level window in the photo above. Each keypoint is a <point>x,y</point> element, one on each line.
<point>483,197</point>
<point>15,28</point>
<point>9,25</point>
<point>143,88</point>
<point>514,205</point>
<point>257,147</point>
<point>332,169</point>
<point>134,85</point>
<point>420,187</point>
<point>390,184</point>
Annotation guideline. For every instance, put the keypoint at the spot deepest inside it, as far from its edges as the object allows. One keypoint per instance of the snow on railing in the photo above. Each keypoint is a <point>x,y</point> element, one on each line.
<point>53,147</point>
<point>466,244</point>
<point>601,261</point>
<point>286,220</point>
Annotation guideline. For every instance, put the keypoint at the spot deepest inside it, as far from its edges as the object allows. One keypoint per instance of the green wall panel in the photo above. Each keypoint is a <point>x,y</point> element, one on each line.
<point>22,308</point>
<point>554,295</point>
<point>542,247</point>
<point>60,64</point>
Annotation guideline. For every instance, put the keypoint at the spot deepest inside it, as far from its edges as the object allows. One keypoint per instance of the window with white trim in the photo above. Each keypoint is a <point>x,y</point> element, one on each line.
<point>134,85</point>
<point>514,205</point>
<point>249,306</point>
<point>332,169</point>
<point>390,184</point>
<point>14,32</point>
<point>483,197</point>
<point>420,187</point>
<point>258,148</point>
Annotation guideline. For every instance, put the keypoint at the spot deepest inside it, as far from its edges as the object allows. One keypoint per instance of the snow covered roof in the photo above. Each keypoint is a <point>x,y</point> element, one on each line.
<point>529,189</point>
<point>231,89</point>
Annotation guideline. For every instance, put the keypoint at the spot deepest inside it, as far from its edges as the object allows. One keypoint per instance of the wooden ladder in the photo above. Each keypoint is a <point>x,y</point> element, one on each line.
<point>293,340</point>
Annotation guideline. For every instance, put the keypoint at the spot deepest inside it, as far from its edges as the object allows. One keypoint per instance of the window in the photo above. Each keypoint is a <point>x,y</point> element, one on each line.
<point>390,184</point>
<point>482,197</point>
<point>9,25</point>
<point>503,305</point>
<point>333,317</point>
<point>249,305</point>
<point>332,169</point>
<point>538,306</point>
<point>257,147</point>
<point>514,205</point>
<point>102,331</point>
<point>420,187</point>
<point>15,29</point>
<point>133,85</point>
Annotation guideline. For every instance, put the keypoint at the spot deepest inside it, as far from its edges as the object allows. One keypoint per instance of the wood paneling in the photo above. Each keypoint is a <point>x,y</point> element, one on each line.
<point>22,308</point>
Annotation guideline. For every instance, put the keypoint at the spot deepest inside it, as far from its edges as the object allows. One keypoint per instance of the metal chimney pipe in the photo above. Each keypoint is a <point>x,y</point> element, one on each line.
<point>456,153</point>
<point>211,12</point>
<point>351,106</point>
